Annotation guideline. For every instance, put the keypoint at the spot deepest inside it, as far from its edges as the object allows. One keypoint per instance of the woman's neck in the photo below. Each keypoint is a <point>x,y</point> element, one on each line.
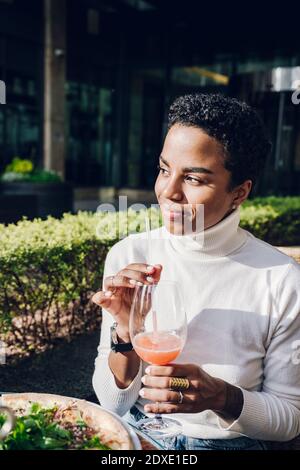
<point>218,240</point>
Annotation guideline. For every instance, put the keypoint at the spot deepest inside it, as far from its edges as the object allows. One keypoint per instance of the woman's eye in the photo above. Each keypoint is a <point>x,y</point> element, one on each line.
<point>194,180</point>
<point>190,179</point>
<point>163,171</point>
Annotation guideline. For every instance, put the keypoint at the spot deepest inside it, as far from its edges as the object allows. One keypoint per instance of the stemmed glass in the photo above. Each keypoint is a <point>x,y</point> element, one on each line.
<point>158,329</point>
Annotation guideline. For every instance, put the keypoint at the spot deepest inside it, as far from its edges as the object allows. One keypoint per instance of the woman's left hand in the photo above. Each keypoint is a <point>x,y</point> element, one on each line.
<point>204,393</point>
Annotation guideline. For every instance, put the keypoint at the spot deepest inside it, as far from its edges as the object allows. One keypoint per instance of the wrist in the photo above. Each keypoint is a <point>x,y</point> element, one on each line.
<point>232,402</point>
<point>123,334</point>
<point>220,396</point>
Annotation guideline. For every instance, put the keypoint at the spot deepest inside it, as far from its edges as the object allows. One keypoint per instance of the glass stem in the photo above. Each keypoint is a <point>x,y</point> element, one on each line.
<point>158,416</point>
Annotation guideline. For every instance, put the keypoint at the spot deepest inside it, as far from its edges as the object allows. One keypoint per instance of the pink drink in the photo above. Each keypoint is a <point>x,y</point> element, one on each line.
<point>157,347</point>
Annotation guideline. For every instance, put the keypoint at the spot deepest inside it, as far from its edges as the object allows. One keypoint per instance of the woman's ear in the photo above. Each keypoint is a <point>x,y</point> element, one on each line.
<point>241,193</point>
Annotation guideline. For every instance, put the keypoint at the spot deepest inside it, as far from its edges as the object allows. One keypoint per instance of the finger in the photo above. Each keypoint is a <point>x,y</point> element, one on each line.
<point>142,267</point>
<point>160,395</point>
<point>137,276</point>
<point>161,408</point>
<point>111,282</point>
<point>156,382</point>
<point>168,396</point>
<point>152,270</point>
<point>164,382</point>
<point>173,370</point>
<point>103,299</point>
<point>157,273</point>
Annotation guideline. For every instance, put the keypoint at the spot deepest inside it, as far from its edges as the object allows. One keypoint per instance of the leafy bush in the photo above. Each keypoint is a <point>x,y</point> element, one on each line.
<point>49,269</point>
<point>273,219</point>
<point>48,272</point>
<point>23,170</point>
<point>19,165</point>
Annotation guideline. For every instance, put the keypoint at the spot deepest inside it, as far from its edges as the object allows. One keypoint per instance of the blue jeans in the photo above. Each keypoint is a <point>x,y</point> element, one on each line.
<point>182,442</point>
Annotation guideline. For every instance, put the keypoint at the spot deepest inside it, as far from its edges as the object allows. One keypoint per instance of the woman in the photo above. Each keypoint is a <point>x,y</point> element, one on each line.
<point>244,299</point>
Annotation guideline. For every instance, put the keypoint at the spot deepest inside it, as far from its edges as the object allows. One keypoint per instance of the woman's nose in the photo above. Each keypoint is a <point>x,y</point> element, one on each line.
<point>172,190</point>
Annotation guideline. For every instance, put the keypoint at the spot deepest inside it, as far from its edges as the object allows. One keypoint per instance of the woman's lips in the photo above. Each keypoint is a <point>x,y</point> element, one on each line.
<point>175,216</point>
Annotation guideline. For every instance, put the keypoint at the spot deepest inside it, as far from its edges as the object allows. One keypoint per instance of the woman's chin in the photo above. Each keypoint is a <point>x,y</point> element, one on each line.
<point>176,228</point>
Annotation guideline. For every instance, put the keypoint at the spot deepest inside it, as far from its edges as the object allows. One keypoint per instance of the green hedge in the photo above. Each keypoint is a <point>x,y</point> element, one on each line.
<point>273,219</point>
<point>49,269</point>
<point>48,272</point>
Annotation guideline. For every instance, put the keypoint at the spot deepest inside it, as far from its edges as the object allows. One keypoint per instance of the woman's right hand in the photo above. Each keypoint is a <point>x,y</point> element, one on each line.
<point>118,292</point>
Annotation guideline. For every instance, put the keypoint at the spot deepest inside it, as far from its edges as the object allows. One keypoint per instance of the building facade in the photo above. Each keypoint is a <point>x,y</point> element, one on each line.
<point>88,83</point>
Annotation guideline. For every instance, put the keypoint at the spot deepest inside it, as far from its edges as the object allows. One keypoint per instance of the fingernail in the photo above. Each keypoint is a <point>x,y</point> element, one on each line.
<point>148,370</point>
<point>150,269</point>
<point>149,279</point>
<point>132,281</point>
<point>108,293</point>
<point>139,283</point>
<point>147,409</point>
<point>143,379</point>
<point>142,392</point>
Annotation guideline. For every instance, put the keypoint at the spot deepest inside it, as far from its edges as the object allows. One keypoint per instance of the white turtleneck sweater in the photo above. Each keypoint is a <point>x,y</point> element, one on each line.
<point>242,299</point>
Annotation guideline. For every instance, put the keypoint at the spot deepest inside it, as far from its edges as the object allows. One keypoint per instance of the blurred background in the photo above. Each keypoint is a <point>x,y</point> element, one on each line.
<point>88,85</point>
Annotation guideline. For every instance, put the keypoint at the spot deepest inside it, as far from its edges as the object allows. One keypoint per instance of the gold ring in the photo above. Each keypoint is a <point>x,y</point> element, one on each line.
<point>179,383</point>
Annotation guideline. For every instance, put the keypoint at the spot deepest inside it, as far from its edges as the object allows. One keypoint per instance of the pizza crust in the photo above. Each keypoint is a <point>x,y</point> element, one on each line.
<point>110,430</point>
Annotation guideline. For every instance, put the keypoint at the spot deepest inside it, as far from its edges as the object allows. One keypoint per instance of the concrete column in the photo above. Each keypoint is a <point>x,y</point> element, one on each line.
<point>54,85</point>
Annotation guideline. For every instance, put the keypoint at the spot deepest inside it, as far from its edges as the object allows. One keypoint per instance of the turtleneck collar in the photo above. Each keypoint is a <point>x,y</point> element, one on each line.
<point>217,241</point>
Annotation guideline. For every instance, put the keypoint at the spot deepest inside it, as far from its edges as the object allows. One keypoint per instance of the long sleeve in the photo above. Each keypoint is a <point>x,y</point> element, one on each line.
<point>274,412</point>
<point>243,327</point>
<point>109,394</point>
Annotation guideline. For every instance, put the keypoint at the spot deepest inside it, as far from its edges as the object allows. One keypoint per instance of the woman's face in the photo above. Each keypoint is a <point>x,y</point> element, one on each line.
<point>191,173</point>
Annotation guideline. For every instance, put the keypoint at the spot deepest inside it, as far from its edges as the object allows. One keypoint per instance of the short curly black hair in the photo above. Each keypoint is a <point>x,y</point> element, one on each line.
<point>234,124</point>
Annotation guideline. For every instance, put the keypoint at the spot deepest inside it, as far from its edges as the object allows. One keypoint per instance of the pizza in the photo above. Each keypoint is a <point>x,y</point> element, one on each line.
<point>46,421</point>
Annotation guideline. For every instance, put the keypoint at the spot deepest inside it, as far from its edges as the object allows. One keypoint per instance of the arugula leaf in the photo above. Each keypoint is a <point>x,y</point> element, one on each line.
<point>95,443</point>
<point>38,430</point>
